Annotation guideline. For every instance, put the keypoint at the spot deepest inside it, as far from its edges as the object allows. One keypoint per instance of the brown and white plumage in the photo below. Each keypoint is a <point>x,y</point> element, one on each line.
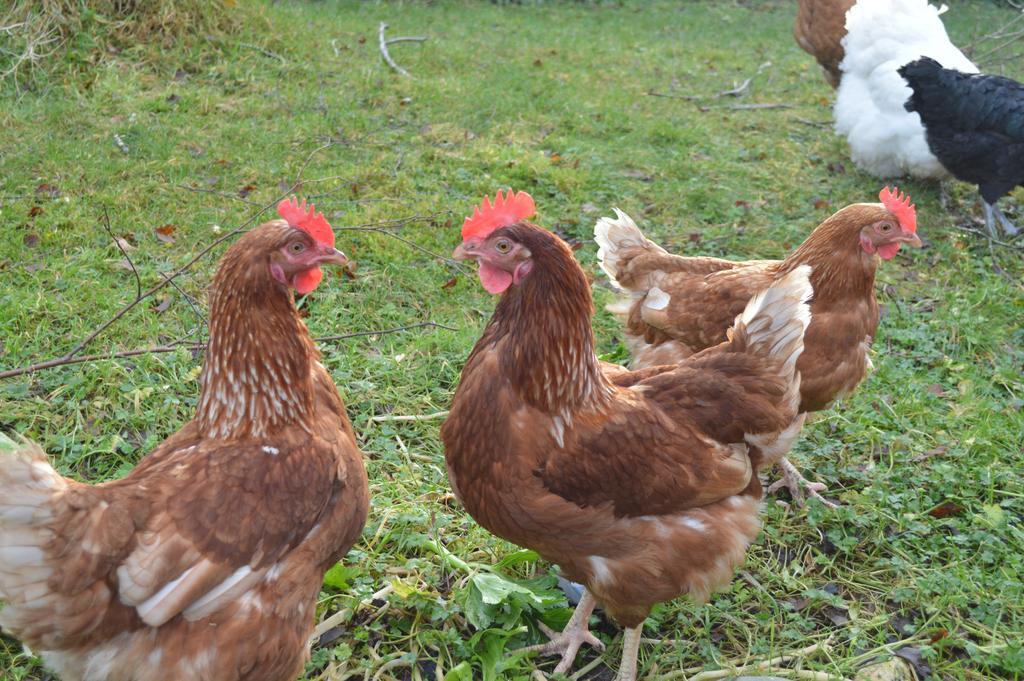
<point>641,484</point>
<point>819,29</point>
<point>206,560</point>
<point>679,305</point>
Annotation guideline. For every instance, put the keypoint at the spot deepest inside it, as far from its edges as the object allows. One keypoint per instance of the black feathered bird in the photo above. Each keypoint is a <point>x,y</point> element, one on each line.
<point>974,124</point>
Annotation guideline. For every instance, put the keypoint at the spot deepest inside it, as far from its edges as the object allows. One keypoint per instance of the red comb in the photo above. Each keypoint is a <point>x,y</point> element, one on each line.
<point>506,210</point>
<point>899,205</point>
<point>310,222</point>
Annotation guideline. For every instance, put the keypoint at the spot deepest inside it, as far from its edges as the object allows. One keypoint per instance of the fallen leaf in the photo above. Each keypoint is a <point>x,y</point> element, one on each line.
<point>180,75</point>
<point>47,190</point>
<point>166,233</point>
<point>946,509</point>
<point>538,63</point>
<point>799,604</point>
<point>125,264</point>
<point>162,305</point>
<point>246,190</point>
<point>938,635</point>
<point>637,175</point>
<point>123,243</point>
<point>349,270</point>
<point>893,669</point>
<point>912,654</point>
<point>31,240</point>
<point>936,389</point>
<point>588,208</point>
<point>555,157</point>
<point>937,451</point>
<point>821,204</point>
<point>362,39</point>
<point>451,282</point>
<point>34,211</point>
<point>837,616</point>
<point>694,237</point>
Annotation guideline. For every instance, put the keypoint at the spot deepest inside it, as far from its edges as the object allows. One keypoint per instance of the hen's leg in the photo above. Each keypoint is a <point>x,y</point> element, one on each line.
<point>575,634</point>
<point>630,651</point>
<point>798,485</point>
<point>1008,227</point>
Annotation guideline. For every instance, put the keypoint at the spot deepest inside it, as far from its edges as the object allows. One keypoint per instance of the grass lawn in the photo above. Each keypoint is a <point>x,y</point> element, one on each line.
<point>926,552</point>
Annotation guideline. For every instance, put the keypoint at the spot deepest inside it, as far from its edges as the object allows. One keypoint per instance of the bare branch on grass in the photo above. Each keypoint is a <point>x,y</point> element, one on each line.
<point>383,45</point>
<point>264,51</point>
<point>196,345</point>
<point>386,227</point>
<point>740,667</point>
<point>188,265</point>
<point>385,418</point>
<point>746,107</point>
<point>128,258</point>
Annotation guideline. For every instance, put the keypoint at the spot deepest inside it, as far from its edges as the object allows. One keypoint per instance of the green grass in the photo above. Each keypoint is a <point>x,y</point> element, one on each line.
<point>548,98</point>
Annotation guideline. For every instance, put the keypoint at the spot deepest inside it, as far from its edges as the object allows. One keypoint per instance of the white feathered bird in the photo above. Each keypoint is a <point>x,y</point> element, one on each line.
<point>881,36</point>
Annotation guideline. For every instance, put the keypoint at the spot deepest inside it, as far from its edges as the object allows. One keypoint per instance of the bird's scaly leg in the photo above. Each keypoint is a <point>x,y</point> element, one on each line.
<point>630,651</point>
<point>798,485</point>
<point>990,223</point>
<point>1008,227</point>
<point>575,634</point>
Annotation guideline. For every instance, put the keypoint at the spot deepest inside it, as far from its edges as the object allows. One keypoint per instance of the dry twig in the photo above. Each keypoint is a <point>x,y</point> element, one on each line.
<point>699,674</point>
<point>384,418</point>
<point>178,345</point>
<point>384,42</point>
<point>746,107</point>
<point>188,265</point>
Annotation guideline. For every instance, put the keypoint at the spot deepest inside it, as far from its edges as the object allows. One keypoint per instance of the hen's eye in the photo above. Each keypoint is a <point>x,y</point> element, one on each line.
<point>886,227</point>
<point>297,247</point>
<point>503,246</point>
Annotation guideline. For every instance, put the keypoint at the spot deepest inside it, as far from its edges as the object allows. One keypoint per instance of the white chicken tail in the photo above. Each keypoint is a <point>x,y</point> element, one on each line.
<point>773,325</point>
<point>27,486</point>
<point>613,237</point>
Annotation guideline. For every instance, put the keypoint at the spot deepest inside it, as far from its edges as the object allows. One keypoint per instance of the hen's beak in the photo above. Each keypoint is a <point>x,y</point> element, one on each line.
<point>331,256</point>
<point>465,251</point>
<point>910,239</point>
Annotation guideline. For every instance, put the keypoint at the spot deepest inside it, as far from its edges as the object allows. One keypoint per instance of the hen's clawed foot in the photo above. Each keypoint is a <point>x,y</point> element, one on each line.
<point>799,487</point>
<point>992,213</point>
<point>568,642</point>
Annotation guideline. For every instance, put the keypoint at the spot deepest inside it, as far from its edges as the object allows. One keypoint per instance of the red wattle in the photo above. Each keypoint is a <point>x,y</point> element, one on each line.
<point>888,251</point>
<point>494,279</point>
<point>304,282</point>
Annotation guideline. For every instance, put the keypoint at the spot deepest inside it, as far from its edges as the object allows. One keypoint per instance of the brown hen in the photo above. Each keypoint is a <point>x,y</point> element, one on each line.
<point>640,485</point>
<point>819,29</point>
<point>678,305</point>
<point>206,560</point>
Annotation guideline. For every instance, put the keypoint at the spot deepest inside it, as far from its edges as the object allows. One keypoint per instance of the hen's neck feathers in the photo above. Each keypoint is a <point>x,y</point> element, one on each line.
<point>840,268</point>
<point>257,375</point>
<point>545,321</point>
